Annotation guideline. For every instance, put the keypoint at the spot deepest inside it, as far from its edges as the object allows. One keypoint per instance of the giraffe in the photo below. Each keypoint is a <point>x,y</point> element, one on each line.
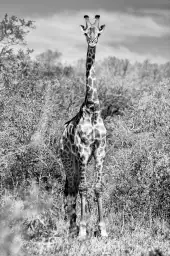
<point>84,137</point>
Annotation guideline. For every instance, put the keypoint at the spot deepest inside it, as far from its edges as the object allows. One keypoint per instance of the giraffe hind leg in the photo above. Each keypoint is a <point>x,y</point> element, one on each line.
<point>70,196</point>
<point>70,207</point>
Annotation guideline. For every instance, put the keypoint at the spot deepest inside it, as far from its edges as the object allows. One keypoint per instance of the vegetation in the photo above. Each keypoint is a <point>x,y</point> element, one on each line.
<point>36,98</point>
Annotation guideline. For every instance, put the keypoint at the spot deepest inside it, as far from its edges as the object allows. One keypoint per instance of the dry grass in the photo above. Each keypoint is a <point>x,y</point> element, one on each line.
<point>25,230</point>
<point>135,105</point>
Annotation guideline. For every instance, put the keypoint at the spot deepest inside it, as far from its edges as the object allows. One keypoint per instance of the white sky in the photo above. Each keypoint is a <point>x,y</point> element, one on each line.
<point>136,30</point>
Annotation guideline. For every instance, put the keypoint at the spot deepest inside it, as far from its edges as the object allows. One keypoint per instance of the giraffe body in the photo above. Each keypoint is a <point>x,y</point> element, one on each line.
<point>84,137</point>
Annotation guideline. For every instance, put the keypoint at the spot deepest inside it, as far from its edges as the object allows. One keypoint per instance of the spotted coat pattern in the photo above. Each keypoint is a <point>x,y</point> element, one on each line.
<point>84,137</point>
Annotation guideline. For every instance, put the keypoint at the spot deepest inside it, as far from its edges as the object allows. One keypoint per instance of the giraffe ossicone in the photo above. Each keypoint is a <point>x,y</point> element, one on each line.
<point>84,137</point>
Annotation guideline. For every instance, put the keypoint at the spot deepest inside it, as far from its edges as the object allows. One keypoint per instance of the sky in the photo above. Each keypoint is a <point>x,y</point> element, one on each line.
<point>135,29</point>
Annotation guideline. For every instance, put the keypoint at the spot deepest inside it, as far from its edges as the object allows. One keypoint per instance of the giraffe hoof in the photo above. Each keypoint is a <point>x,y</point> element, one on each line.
<point>100,233</point>
<point>82,238</point>
<point>82,231</point>
<point>104,233</point>
<point>102,230</point>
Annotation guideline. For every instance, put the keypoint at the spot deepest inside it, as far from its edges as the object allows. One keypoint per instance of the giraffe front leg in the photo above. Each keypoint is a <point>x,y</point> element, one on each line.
<point>99,159</point>
<point>83,193</point>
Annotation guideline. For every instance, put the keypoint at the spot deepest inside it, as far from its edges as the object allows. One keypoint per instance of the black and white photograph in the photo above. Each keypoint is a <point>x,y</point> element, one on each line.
<point>85,128</point>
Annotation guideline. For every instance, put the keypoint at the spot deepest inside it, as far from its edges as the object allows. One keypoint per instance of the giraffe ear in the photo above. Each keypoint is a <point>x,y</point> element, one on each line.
<point>82,28</point>
<point>102,28</point>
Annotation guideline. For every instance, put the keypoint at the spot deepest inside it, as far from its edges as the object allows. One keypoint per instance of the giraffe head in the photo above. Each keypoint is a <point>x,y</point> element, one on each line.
<point>92,31</point>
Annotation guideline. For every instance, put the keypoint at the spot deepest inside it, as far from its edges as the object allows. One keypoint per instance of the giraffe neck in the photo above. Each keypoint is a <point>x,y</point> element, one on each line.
<point>91,98</point>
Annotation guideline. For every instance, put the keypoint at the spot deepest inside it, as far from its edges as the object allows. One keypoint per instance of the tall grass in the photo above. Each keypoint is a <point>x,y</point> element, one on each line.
<point>135,105</point>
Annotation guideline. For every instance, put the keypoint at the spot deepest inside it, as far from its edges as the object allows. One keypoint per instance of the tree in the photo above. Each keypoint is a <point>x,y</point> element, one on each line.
<point>12,32</point>
<point>13,65</point>
<point>48,60</point>
<point>49,57</point>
